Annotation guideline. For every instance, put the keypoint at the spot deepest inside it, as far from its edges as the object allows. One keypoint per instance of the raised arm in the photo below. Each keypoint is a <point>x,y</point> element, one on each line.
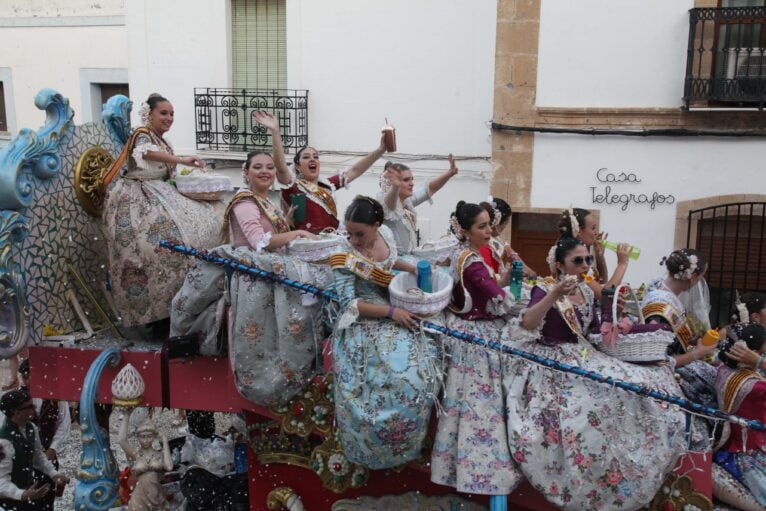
<point>122,437</point>
<point>167,458</point>
<point>392,196</point>
<point>268,121</point>
<point>361,166</point>
<point>438,183</point>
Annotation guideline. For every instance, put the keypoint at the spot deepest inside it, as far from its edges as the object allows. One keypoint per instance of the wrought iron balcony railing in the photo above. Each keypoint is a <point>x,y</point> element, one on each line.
<point>726,59</point>
<point>224,118</point>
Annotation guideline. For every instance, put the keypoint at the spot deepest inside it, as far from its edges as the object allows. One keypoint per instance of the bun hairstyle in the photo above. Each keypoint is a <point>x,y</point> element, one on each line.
<point>253,154</point>
<point>753,334</point>
<point>685,263</point>
<point>565,222</point>
<point>559,252</point>
<point>154,99</point>
<point>497,205</point>
<point>365,210</point>
<point>755,302</point>
<point>464,217</point>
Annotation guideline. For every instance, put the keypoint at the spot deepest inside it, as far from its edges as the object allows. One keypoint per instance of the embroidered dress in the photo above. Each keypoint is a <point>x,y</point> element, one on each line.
<point>743,392</point>
<point>386,377</point>
<point>697,377</point>
<point>140,210</point>
<point>583,444</point>
<point>494,254</point>
<point>321,210</point>
<point>403,220</point>
<point>471,450</point>
<point>274,331</point>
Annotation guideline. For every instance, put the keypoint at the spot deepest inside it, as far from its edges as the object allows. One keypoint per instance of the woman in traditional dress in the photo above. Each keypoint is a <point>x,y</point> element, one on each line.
<point>143,208</point>
<point>471,450</point>
<point>252,219</point>
<point>583,444</point>
<point>386,371</point>
<point>580,224</point>
<point>663,303</point>
<point>742,391</point>
<point>498,254</point>
<point>321,211</point>
<point>400,198</point>
<point>751,309</point>
<point>274,332</point>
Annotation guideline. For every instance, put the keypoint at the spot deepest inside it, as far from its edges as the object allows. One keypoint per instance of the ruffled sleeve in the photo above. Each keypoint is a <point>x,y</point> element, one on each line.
<point>346,291</point>
<point>143,145</point>
<point>248,218</point>
<point>536,295</point>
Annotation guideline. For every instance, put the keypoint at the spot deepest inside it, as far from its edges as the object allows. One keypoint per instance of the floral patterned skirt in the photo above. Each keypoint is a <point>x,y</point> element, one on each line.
<point>586,445</point>
<point>137,215</point>
<point>471,450</point>
<point>749,468</point>
<point>386,379</point>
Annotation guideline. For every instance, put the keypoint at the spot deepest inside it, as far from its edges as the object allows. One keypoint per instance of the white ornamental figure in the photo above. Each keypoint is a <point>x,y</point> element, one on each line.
<point>128,387</point>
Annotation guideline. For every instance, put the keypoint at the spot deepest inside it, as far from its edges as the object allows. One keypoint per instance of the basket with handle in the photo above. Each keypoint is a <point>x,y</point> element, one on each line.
<point>311,251</point>
<point>642,343</point>
<point>436,251</point>
<point>405,294</point>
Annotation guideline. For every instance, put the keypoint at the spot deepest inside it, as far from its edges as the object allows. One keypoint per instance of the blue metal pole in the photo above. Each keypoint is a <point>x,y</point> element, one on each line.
<point>683,403</point>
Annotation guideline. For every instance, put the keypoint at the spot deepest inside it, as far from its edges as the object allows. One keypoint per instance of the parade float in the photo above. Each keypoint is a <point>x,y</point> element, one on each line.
<point>54,286</point>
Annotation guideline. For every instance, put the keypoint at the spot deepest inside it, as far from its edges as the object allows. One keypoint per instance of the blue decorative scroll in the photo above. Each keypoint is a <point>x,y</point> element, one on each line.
<point>116,116</point>
<point>34,154</point>
<point>98,485</point>
<point>14,314</point>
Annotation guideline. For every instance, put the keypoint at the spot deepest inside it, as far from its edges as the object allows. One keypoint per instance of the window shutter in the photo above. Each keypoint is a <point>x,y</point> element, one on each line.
<point>259,40</point>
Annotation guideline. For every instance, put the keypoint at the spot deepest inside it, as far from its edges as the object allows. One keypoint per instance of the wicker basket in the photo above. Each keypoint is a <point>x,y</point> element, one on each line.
<point>405,294</point>
<point>312,251</point>
<point>199,185</point>
<point>206,196</point>
<point>645,343</point>
<point>436,251</point>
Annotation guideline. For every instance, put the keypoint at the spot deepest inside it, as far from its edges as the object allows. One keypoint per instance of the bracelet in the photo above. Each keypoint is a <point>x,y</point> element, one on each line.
<point>390,314</point>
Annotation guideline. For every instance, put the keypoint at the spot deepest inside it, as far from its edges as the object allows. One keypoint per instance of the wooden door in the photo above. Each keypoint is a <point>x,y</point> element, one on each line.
<point>532,235</point>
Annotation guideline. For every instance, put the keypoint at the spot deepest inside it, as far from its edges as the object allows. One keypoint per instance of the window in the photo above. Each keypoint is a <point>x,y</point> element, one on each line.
<point>112,89</point>
<point>259,44</point>
<point>3,119</point>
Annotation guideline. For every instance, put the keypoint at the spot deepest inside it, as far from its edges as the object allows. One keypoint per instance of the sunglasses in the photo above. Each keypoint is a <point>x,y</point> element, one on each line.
<point>27,407</point>
<point>577,261</point>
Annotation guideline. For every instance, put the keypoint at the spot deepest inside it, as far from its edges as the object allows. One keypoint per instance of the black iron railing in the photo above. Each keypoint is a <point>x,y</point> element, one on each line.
<point>224,118</point>
<point>732,237</point>
<point>726,58</point>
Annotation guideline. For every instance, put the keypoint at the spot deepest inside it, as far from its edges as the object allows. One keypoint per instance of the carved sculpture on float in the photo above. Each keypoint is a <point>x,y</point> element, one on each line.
<point>29,158</point>
<point>98,485</point>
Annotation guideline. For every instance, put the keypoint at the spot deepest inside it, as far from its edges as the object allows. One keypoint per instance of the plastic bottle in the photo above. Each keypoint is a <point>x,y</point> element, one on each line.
<point>634,254</point>
<point>517,276</point>
<point>425,283</point>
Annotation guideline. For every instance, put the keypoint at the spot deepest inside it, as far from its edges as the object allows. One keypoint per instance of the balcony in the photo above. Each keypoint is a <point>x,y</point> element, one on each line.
<point>224,118</point>
<point>726,58</point>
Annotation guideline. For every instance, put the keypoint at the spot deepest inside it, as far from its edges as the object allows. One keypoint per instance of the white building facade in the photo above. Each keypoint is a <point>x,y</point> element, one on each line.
<point>566,68</point>
<point>427,69</point>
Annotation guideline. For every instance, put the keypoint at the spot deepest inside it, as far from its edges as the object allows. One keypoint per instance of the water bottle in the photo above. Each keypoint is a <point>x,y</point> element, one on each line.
<point>634,254</point>
<point>517,276</point>
<point>425,283</point>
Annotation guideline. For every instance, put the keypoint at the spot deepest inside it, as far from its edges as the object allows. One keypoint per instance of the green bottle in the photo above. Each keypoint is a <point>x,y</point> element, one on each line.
<point>635,252</point>
<point>517,276</point>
